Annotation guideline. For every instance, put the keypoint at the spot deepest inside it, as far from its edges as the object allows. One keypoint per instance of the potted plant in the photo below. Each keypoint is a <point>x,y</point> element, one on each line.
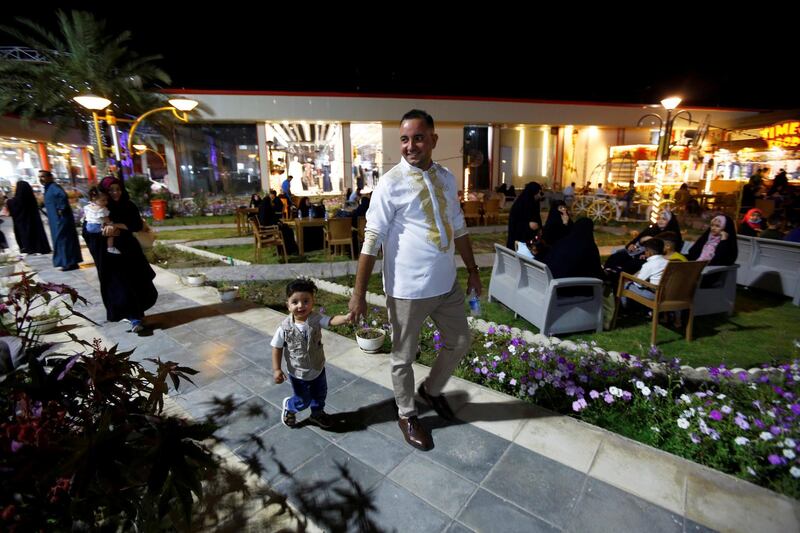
<point>228,293</point>
<point>195,279</point>
<point>369,336</point>
<point>47,321</point>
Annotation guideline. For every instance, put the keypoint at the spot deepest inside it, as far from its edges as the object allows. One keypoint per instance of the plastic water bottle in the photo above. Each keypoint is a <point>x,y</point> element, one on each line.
<point>474,303</point>
<point>326,215</point>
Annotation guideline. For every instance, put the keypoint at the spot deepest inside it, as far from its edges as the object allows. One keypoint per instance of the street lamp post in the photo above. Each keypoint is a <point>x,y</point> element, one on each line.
<point>664,149</point>
<point>179,107</point>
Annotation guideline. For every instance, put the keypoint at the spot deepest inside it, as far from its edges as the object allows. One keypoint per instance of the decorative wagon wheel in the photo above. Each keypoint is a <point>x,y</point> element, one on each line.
<point>581,204</point>
<point>669,205</point>
<point>600,211</point>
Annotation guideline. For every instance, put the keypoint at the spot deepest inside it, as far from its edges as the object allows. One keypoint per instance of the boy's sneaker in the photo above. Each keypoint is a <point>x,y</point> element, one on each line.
<point>136,326</point>
<point>321,419</point>
<point>288,417</point>
<point>113,250</point>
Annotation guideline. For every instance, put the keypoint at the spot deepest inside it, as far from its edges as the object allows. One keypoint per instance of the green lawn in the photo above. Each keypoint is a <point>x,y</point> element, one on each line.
<point>762,330</point>
<point>192,221</point>
<point>169,257</point>
<point>197,234</point>
<point>269,255</point>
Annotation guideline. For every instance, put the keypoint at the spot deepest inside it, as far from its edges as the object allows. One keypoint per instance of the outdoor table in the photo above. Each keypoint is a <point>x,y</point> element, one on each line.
<point>299,229</point>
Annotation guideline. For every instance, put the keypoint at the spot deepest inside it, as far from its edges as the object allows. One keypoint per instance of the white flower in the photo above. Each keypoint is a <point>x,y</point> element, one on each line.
<point>512,348</point>
<point>683,423</point>
<point>685,398</point>
<point>741,441</point>
<point>789,454</point>
<point>501,376</point>
<point>513,382</point>
<point>654,428</point>
<point>789,443</point>
<point>646,391</point>
<point>771,413</point>
<point>766,435</point>
<point>753,386</point>
<point>374,323</point>
<point>689,413</point>
<point>659,390</point>
<point>794,471</point>
<point>639,385</point>
<point>726,409</point>
<point>496,357</point>
<point>753,472</point>
<point>615,392</point>
<point>488,344</point>
<point>721,396</point>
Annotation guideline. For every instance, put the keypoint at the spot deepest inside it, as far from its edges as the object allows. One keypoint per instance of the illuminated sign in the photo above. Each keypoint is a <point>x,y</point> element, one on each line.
<point>782,135</point>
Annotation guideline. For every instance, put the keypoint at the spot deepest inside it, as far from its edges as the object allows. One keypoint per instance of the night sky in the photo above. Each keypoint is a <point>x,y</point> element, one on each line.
<point>289,47</point>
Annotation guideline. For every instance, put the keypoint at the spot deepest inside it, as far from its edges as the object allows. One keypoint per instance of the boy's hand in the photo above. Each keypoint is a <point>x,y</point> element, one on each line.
<point>278,376</point>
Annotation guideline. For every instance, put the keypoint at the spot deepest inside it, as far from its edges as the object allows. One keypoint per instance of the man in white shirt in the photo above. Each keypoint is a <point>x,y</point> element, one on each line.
<point>569,194</point>
<point>651,271</point>
<point>415,216</point>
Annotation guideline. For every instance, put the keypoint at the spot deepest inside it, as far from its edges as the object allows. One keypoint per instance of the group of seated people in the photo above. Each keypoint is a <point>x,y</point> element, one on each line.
<point>753,224</point>
<point>569,250</point>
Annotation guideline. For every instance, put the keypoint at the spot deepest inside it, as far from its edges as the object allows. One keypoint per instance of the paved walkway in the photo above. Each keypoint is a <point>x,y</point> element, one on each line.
<point>504,465</point>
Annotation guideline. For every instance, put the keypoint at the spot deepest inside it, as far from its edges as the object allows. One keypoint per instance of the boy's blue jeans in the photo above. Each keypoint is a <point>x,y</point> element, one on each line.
<point>308,393</point>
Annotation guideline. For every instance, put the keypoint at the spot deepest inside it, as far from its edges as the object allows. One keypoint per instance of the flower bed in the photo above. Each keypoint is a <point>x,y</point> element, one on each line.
<point>747,429</point>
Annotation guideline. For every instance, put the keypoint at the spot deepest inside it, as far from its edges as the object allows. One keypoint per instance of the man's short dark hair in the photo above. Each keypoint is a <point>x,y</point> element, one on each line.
<point>420,114</point>
<point>774,219</point>
<point>670,236</point>
<point>46,173</point>
<point>300,285</point>
<point>657,245</point>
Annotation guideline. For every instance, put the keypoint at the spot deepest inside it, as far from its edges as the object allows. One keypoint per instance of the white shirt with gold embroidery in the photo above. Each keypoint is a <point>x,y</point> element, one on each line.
<point>415,215</point>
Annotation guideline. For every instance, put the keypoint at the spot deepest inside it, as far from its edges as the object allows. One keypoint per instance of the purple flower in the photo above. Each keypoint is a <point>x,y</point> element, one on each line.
<point>626,396</point>
<point>775,430</point>
<point>484,371</point>
<point>491,330</point>
<point>742,376</point>
<point>742,423</point>
<point>608,398</point>
<point>625,356</point>
<point>715,415</point>
<point>775,459</point>
<point>477,369</point>
<point>694,438</point>
<point>796,408</point>
<point>593,394</point>
<point>759,424</point>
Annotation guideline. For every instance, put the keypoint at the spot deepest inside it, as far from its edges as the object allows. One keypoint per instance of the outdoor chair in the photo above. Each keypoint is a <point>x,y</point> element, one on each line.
<point>491,211</point>
<point>361,226</point>
<point>267,236</point>
<point>339,232</point>
<point>472,211</point>
<point>675,292</point>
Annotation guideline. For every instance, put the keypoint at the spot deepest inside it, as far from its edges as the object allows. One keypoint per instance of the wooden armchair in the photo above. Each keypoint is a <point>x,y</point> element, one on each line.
<point>491,211</point>
<point>267,236</point>
<point>472,211</point>
<point>338,232</point>
<point>361,226</point>
<point>675,292</point>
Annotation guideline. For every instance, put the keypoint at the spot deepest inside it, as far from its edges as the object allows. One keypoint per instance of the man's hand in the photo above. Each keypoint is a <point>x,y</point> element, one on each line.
<point>357,307</point>
<point>474,282</point>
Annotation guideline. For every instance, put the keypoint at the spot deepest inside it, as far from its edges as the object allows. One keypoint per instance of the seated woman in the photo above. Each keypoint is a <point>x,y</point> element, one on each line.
<point>576,255</point>
<point>255,200</point>
<point>558,224</point>
<point>267,216</point>
<point>752,224</point>
<point>717,245</point>
<point>304,208</point>
<point>630,259</point>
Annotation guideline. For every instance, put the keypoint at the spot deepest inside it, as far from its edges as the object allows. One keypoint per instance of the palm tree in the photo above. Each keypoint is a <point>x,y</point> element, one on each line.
<point>82,58</point>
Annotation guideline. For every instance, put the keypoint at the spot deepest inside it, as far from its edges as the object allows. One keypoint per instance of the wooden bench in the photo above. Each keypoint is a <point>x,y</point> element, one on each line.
<point>526,287</point>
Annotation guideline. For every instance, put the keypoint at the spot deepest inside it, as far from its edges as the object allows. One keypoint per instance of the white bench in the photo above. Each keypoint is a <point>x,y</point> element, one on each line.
<point>526,287</point>
<point>770,265</point>
<point>719,294</point>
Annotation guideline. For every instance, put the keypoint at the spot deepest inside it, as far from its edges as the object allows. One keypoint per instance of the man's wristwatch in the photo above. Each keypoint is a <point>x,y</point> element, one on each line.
<point>473,268</point>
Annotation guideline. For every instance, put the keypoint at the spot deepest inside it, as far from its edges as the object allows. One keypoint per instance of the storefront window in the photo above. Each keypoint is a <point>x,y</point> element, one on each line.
<point>367,144</point>
<point>218,159</point>
<point>526,154</point>
<point>307,152</point>
<point>18,160</point>
<point>67,165</point>
<point>476,158</point>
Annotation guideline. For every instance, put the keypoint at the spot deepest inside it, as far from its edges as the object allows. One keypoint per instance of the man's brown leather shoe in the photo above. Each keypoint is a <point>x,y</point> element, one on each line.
<point>439,403</point>
<point>415,433</point>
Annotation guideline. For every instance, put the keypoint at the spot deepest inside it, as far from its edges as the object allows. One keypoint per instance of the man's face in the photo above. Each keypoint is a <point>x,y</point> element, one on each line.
<point>45,178</point>
<point>417,142</point>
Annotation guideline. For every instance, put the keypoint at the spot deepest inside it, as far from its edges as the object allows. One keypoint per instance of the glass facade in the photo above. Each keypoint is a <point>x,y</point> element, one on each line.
<point>218,159</point>
<point>66,164</point>
<point>18,160</point>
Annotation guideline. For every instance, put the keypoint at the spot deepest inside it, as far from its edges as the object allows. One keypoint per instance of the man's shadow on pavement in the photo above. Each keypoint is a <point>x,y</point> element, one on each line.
<point>466,413</point>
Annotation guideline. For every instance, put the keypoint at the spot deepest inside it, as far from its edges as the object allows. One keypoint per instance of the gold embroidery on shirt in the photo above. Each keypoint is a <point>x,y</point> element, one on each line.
<point>426,203</point>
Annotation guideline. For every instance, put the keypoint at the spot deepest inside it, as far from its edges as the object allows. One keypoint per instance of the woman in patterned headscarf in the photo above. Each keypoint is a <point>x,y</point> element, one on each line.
<point>718,244</point>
